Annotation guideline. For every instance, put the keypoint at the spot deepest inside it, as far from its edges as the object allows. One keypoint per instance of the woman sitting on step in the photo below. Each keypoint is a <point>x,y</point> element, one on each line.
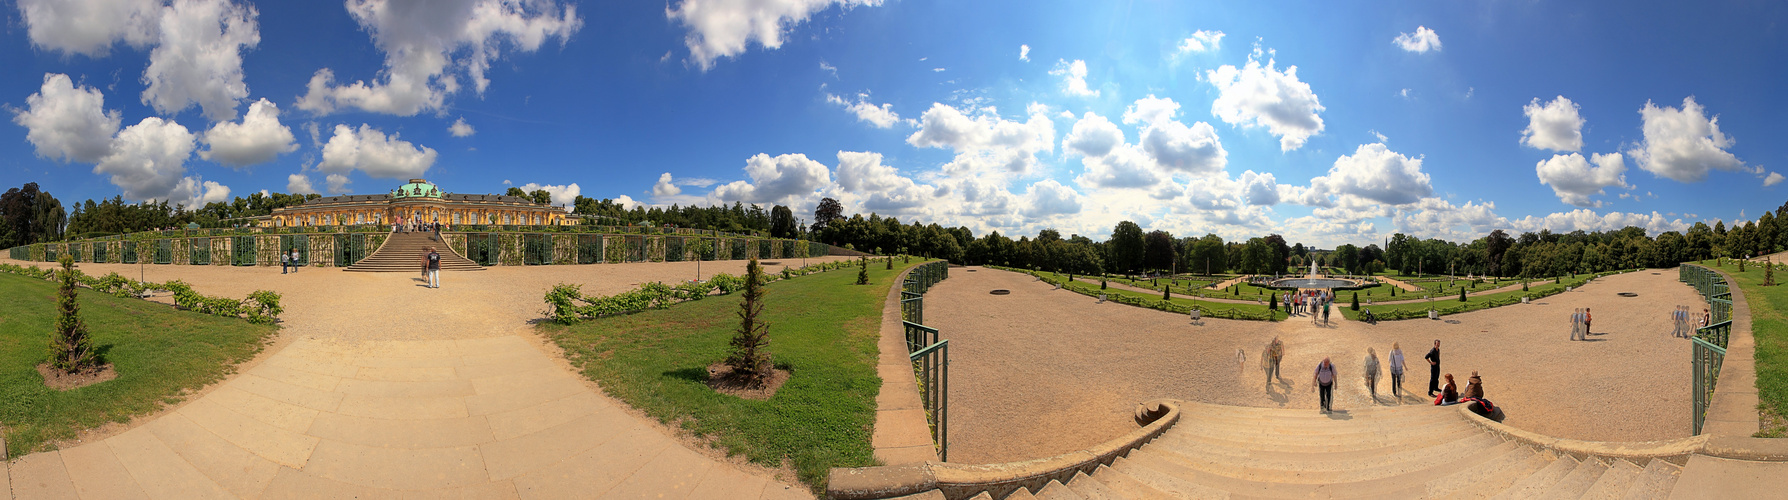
<point>1449,392</point>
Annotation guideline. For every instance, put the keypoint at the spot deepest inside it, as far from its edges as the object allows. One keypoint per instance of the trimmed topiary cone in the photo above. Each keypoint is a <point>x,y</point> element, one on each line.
<point>863,271</point>
<point>750,359</point>
<point>71,349</point>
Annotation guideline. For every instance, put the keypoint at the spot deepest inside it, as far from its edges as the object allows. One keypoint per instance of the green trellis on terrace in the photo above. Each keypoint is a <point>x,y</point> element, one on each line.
<point>164,251</point>
<point>673,249</point>
<point>589,248</point>
<point>200,255</point>
<point>537,250</point>
<point>300,242</point>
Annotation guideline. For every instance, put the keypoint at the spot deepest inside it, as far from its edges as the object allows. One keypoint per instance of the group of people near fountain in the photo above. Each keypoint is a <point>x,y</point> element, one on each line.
<point>1313,302</point>
<point>1444,394</point>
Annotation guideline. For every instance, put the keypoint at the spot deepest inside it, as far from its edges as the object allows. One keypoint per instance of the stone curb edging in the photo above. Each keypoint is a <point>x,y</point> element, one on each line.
<point>901,434</point>
<point>1732,415</point>
<point>959,481</point>
<point>1676,451</point>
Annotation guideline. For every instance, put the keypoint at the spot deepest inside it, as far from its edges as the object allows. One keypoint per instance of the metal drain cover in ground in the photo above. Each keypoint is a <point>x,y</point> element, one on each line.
<point>1001,291</point>
<point>971,270</point>
<point>1627,294</point>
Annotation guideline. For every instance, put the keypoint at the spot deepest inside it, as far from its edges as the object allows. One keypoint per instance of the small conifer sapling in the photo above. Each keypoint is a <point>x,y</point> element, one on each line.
<point>750,358</point>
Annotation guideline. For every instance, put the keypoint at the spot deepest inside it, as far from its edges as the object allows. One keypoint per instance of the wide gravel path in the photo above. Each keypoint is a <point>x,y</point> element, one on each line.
<point>1042,372</point>
<point>379,387</point>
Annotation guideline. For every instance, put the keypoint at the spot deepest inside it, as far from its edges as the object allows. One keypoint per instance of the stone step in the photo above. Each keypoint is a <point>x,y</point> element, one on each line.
<point>1122,484</point>
<point>1021,494</point>
<point>1657,480</point>
<point>1578,481</point>
<point>1488,478</point>
<point>1376,413</point>
<point>1240,449</point>
<point>1341,418</point>
<point>1055,490</point>
<point>1335,465</point>
<point>1614,482</point>
<point>1161,476</point>
<point>1330,473</point>
<point>1092,489</point>
<point>1402,486</point>
<point>1257,439</point>
<point>1535,484</point>
<point>1314,429</point>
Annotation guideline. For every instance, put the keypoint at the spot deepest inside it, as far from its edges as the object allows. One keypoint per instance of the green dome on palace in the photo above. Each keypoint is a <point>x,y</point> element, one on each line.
<point>418,188</point>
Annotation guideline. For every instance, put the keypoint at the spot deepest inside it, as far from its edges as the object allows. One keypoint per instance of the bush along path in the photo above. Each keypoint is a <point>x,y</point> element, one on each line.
<point>1445,304</point>
<point>261,307</point>
<point>656,358</point>
<point>1227,310</point>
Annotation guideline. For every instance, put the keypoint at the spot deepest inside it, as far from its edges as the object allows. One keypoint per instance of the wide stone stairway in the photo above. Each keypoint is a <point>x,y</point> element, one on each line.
<point>403,253</point>
<point>1403,452</point>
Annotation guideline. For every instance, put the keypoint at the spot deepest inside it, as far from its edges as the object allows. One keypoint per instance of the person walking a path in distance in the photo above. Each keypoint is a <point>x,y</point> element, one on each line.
<point>1372,373</point>
<point>285,260</point>
<point>1587,318</point>
<point>1433,358</point>
<point>1397,371</point>
<point>1325,384</point>
<point>1325,313</point>
<point>295,260</point>
<point>1576,323</point>
<point>1676,322</point>
<point>434,268</point>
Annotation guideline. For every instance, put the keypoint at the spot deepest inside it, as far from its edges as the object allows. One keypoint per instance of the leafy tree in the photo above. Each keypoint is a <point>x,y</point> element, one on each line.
<point>782,223</point>
<point>828,210</point>
<point>516,192</point>
<point>750,358</point>
<point>1126,247</point>
<point>1158,251</point>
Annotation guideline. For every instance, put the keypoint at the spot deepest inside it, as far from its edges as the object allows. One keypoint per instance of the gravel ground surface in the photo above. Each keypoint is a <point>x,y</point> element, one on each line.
<point>1042,372</point>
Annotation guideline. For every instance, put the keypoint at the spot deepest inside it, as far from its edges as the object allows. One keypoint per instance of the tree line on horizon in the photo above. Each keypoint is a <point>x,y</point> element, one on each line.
<point>30,215</point>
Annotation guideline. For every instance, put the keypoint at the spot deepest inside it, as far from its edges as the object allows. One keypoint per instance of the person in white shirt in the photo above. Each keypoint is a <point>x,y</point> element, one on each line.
<point>1371,370</point>
<point>1397,370</point>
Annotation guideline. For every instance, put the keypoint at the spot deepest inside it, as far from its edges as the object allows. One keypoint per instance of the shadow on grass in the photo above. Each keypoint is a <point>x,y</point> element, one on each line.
<point>697,374</point>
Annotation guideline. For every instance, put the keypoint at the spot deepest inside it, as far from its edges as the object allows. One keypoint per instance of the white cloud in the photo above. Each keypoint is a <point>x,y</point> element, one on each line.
<point>1260,189</point>
<point>90,27</point>
<point>369,150</point>
<point>299,184</point>
<point>665,187</point>
<point>1151,110</point>
<point>880,116</point>
<point>193,192</point>
<point>823,67</point>
<point>1201,41</point>
<point>460,128</point>
<point>1375,173</point>
<point>1587,220</point>
<point>1422,40</point>
<point>1048,198</point>
<point>1575,181</point>
<point>561,195</point>
<point>1192,150</point>
<point>428,42</point>
<point>67,123</point>
<point>148,159</point>
<point>338,183</point>
<point>1092,136</point>
<point>775,180</point>
<point>1554,125</point>
<point>1683,144</point>
<point>1024,53</point>
<point>1074,78</point>
<point>985,143</point>
<point>198,58</point>
<point>725,28</point>
<point>1773,179</point>
<point>1125,166</point>
<point>1256,95</point>
<point>257,139</point>
<point>881,187</point>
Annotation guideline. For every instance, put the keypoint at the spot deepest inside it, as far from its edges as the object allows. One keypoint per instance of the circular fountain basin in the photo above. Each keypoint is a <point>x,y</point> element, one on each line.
<point>1313,283</point>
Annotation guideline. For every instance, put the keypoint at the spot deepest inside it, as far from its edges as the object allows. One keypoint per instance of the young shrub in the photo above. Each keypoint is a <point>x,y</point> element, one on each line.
<point>1769,273</point>
<point>890,262</point>
<point>1356,301</point>
<point>1166,294</point>
<point>71,350</point>
<point>1523,285</point>
<point>1273,302</point>
<point>863,270</point>
<point>1741,265</point>
<point>749,358</point>
<point>1462,294</point>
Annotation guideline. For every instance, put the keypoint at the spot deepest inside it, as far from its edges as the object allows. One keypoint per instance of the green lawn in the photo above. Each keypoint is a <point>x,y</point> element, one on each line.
<point>1770,328</point>
<point>158,352</point>
<point>823,328</point>
<point>1180,301</point>
<point>1449,303</point>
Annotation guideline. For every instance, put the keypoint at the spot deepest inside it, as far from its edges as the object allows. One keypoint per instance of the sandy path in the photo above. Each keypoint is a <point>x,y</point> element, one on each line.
<point>1041,371</point>
<point>381,387</point>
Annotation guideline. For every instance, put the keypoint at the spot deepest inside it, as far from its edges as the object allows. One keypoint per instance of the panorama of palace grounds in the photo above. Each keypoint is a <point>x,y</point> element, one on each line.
<point>293,358</point>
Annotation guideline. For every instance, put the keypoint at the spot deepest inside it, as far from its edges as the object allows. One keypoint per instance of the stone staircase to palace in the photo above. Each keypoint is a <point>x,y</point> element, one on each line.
<point>1404,452</point>
<point>403,252</point>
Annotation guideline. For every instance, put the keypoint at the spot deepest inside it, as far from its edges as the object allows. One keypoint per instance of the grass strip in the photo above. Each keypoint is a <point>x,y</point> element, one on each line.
<point>823,329</point>
<point>1450,304</point>
<point>160,354</point>
<point>1769,327</point>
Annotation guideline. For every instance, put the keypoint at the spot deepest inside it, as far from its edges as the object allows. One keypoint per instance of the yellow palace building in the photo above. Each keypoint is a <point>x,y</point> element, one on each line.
<point>419,201</point>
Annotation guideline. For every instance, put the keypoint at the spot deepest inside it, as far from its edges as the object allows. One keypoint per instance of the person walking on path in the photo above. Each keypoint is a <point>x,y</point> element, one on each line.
<point>1325,313</point>
<point>1587,318</point>
<point>1371,370</point>
<point>1275,351</point>
<point>285,260</point>
<point>434,268</point>
<point>1576,323</point>
<point>1397,371</point>
<point>295,260</point>
<point>1325,384</point>
<point>1433,358</point>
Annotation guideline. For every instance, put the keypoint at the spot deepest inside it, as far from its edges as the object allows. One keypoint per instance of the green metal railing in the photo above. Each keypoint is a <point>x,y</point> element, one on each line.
<point>1710,341</point>
<point>928,351</point>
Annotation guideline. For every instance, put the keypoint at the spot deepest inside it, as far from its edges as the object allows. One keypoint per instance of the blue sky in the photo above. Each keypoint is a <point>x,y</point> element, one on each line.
<point>1441,119</point>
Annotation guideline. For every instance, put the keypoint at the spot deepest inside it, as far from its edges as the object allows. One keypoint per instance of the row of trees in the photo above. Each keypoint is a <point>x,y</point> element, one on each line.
<point>29,215</point>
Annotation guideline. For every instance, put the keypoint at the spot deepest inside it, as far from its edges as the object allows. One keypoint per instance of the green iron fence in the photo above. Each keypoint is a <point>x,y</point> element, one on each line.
<point>349,249</point>
<point>484,249</point>
<point>242,250</point>
<point>537,250</point>
<point>164,251</point>
<point>928,351</point>
<point>128,250</point>
<point>1709,351</point>
<point>738,249</point>
<point>589,248</point>
<point>99,252</point>
<point>673,249</point>
<point>199,253</point>
<point>289,243</point>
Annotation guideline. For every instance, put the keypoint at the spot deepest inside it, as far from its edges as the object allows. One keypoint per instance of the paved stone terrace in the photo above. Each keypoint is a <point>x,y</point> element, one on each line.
<point>1041,371</point>
<point>382,388</point>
